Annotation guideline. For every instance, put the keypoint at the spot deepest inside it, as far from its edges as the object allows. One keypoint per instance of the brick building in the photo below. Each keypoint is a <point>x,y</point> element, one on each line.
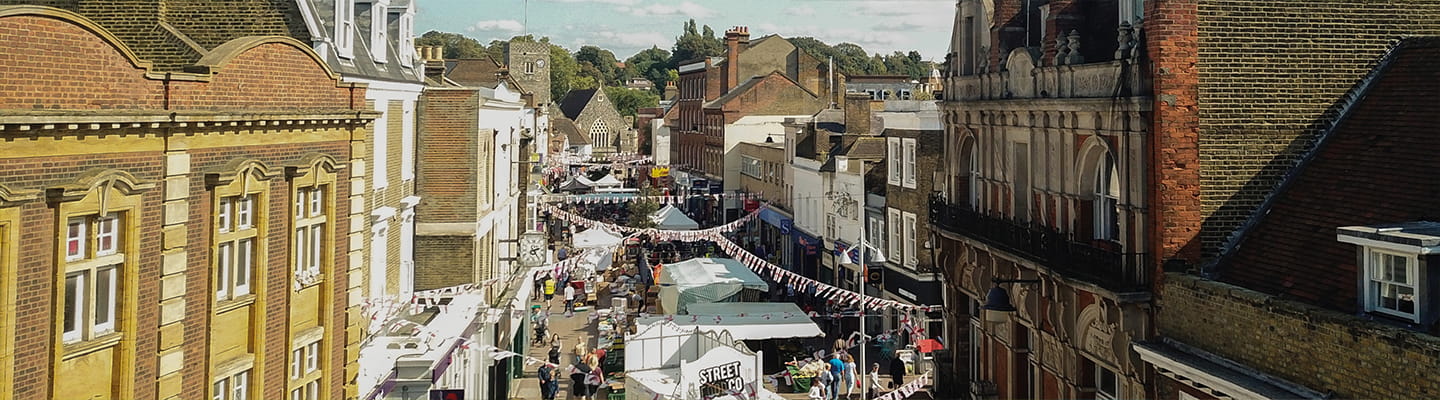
<point>1092,144</point>
<point>169,227</point>
<point>914,149</point>
<point>1328,289</point>
<point>768,79</point>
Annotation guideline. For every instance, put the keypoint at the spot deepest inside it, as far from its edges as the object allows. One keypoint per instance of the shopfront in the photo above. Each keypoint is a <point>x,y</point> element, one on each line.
<point>773,237</point>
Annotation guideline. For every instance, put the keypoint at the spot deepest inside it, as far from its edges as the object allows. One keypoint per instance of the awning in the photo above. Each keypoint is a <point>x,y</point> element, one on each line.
<point>595,238</point>
<point>760,320</point>
<point>1216,375</point>
<point>704,280</point>
<point>672,218</point>
<point>778,220</point>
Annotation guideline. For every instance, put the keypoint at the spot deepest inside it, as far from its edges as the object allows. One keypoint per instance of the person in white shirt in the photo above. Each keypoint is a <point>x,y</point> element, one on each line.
<point>569,298</point>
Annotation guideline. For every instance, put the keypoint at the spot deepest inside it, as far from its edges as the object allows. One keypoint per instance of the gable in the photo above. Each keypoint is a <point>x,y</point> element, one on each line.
<point>773,54</point>
<point>1375,167</point>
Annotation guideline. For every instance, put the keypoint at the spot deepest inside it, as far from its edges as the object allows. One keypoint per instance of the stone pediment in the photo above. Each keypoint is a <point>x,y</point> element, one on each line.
<point>1020,72</point>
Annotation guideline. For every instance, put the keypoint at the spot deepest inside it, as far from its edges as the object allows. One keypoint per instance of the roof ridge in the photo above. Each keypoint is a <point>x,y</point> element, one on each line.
<point>1348,103</point>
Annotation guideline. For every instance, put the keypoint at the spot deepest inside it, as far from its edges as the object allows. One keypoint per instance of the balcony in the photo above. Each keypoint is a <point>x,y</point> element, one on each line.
<point>1103,264</point>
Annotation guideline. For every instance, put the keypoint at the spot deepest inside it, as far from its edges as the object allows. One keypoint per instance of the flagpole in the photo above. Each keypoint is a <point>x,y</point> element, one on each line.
<point>860,379</point>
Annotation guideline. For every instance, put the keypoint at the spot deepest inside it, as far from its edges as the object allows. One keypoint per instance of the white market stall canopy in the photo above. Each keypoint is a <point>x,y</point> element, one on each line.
<point>760,320</point>
<point>704,280</point>
<point>672,218</point>
<point>666,361</point>
<point>608,181</point>
<point>595,238</point>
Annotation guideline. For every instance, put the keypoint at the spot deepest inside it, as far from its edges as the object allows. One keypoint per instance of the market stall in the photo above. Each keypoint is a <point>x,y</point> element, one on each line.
<point>596,238</point>
<point>706,280</point>
<point>665,361</point>
<point>674,219</point>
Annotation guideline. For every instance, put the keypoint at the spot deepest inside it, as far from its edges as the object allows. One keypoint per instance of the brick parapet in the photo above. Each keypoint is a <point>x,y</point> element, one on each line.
<point>1321,349</point>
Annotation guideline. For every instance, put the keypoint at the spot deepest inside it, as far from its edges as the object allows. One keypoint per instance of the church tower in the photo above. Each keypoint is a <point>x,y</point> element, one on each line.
<point>530,65</point>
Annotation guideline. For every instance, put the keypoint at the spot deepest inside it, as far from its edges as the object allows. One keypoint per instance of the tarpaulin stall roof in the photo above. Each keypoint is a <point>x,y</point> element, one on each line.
<point>704,280</point>
<point>672,218</point>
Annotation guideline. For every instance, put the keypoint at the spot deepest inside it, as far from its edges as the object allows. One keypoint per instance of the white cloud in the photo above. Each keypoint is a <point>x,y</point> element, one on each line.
<point>617,41</point>
<point>686,8</point>
<point>615,2</point>
<point>497,25</point>
<point>888,8</point>
<point>801,11</point>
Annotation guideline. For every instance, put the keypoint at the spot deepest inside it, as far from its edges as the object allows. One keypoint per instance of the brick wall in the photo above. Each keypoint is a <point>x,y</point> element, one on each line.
<point>775,95</point>
<point>35,272</point>
<point>456,253</point>
<point>1354,358</point>
<point>1174,191</point>
<point>1270,74</point>
<point>58,65</point>
<point>928,158</point>
<point>445,151</point>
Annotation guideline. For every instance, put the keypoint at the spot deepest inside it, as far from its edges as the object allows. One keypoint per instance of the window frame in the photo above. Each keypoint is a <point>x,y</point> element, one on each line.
<point>908,148</point>
<point>345,29</point>
<point>379,31</point>
<point>1100,393</point>
<point>907,229</point>
<point>1373,303</point>
<point>1106,204</point>
<point>237,232</point>
<point>892,161</point>
<point>312,223</point>
<point>892,222</point>
<point>86,267</point>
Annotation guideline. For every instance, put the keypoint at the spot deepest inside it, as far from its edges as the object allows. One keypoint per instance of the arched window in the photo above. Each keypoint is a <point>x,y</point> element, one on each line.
<point>599,134</point>
<point>1107,200</point>
<point>973,184</point>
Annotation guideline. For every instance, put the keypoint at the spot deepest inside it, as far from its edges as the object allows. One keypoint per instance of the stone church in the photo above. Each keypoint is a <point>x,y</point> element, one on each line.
<point>595,117</point>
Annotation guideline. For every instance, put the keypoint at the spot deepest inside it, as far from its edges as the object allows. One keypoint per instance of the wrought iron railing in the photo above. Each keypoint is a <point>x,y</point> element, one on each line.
<point>1102,263</point>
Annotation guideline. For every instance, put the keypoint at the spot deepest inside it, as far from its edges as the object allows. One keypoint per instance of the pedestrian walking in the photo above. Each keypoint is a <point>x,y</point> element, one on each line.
<point>569,299</point>
<point>548,384</point>
<point>578,389</point>
<point>827,380</point>
<point>850,383</point>
<point>549,291</point>
<point>539,287</point>
<point>874,380</point>
<point>837,372</point>
<point>554,355</point>
<point>897,372</point>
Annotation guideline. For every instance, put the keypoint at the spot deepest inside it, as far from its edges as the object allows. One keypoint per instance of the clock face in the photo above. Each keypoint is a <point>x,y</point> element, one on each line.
<point>532,249</point>
<point>540,63</point>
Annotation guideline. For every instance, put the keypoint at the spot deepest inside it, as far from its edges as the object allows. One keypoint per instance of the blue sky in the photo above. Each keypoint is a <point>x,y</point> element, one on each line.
<point>628,26</point>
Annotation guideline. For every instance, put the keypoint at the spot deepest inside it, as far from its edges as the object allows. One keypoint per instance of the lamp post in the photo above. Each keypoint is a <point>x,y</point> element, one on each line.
<point>860,288</point>
<point>997,302</point>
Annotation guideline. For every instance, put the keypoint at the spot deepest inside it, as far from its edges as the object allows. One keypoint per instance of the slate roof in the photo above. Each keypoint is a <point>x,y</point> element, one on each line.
<point>868,148</point>
<point>568,128</point>
<point>574,102</point>
<point>362,65</point>
<point>1377,165</point>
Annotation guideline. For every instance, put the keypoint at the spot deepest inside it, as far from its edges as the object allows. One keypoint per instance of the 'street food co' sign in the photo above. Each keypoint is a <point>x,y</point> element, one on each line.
<point>722,379</point>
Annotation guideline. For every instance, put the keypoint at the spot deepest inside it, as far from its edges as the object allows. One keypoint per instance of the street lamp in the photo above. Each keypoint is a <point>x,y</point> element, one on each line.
<point>997,302</point>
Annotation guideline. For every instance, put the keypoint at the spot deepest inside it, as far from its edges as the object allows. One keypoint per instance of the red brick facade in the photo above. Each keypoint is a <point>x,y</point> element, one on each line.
<point>68,83</point>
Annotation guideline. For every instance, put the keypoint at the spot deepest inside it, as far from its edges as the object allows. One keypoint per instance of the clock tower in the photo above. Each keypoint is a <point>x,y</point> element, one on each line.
<point>529,64</point>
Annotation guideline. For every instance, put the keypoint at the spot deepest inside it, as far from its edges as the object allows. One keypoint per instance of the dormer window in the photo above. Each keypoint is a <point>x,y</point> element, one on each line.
<point>407,39</point>
<point>1390,286</point>
<point>379,31</point>
<point>345,28</point>
<point>1394,280</point>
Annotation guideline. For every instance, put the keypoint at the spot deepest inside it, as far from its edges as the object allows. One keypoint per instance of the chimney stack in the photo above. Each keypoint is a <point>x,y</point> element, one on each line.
<point>857,114</point>
<point>671,91</point>
<point>434,58</point>
<point>735,38</point>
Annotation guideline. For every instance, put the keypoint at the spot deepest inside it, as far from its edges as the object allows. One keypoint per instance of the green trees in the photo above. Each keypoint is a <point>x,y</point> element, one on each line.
<point>591,66</point>
<point>628,100</point>
<point>653,64</point>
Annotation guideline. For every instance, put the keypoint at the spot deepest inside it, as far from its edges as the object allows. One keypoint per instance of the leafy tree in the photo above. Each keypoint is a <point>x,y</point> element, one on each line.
<point>564,72</point>
<point>603,63</point>
<point>652,64</point>
<point>641,210</point>
<point>627,101</point>
<point>692,45</point>
<point>455,44</point>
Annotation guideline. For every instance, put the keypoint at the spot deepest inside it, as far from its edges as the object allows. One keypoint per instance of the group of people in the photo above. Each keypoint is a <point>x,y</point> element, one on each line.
<point>840,376</point>
<point>585,373</point>
<point>547,287</point>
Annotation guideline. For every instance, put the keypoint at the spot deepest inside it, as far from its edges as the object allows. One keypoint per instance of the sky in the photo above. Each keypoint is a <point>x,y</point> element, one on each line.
<point>627,26</point>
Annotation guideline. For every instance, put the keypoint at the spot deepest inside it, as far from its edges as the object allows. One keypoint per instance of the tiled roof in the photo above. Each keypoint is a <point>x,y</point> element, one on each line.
<point>474,72</point>
<point>1378,165</point>
<point>867,148</point>
<point>574,102</point>
<point>567,128</point>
